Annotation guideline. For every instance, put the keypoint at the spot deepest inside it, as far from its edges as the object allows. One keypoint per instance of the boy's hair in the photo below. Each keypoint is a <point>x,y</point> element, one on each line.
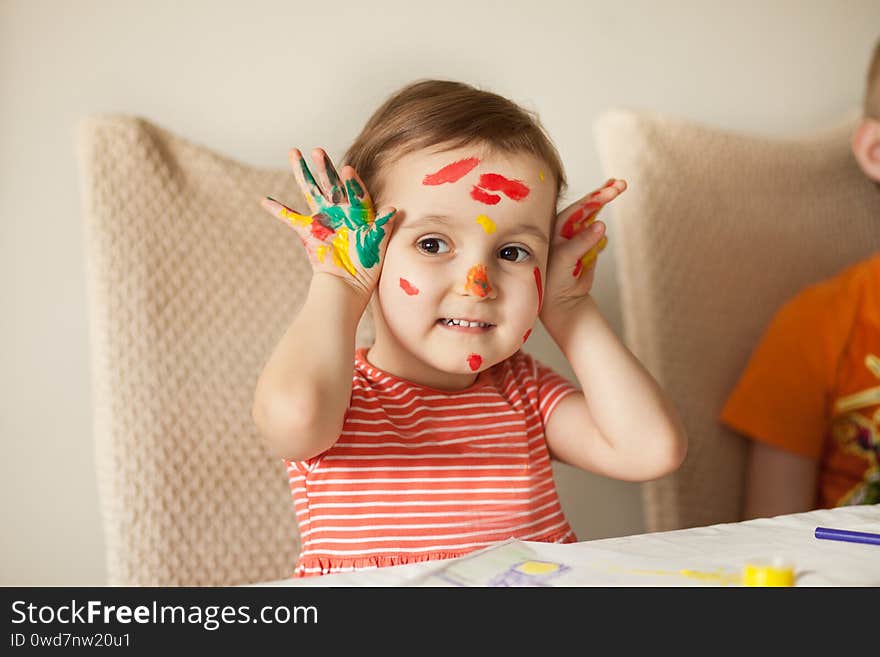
<point>872,86</point>
<point>451,114</point>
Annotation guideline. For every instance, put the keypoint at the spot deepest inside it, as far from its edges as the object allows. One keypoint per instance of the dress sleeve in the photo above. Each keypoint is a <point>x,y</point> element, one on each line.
<point>552,389</point>
<point>783,396</point>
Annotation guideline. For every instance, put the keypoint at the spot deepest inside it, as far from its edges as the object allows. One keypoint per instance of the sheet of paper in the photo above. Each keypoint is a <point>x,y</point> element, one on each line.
<point>526,563</point>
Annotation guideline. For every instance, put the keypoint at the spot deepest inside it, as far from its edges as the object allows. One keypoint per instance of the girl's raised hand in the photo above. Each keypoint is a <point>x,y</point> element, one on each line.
<point>577,242</point>
<point>343,235</point>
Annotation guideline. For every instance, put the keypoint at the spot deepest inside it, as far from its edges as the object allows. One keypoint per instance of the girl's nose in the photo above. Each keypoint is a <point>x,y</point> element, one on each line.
<point>477,283</point>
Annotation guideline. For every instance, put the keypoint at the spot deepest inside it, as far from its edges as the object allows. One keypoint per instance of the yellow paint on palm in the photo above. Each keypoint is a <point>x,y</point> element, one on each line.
<point>296,218</point>
<point>340,251</point>
<point>487,224</point>
<point>321,252</point>
<point>593,253</point>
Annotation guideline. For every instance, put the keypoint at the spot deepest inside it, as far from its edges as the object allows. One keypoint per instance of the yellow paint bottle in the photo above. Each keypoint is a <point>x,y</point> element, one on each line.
<point>760,572</point>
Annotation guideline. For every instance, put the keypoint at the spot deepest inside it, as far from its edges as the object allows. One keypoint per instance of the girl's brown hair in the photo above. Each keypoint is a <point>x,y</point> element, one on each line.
<point>431,113</point>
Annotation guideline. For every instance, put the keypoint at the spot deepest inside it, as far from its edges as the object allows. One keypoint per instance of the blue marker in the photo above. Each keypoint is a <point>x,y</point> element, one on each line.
<point>848,536</point>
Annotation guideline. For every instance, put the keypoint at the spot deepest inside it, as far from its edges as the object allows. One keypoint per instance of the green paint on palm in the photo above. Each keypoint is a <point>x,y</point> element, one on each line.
<point>337,215</point>
<point>358,216</point>
<point>314,190</point>
<point>361,214</point>
<point>369,240</point>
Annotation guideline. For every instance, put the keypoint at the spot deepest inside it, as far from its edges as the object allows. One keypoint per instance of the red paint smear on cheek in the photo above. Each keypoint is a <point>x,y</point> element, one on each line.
<point>512,189</point>
<point>540,288</point>
<point>527,334</point>
<point>408,287</point>
<point>451,172</point>
<point>474,362</point>
<point>484,197</point>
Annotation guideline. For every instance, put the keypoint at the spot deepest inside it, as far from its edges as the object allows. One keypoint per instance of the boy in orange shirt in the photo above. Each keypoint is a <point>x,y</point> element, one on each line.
<point>809,398</point>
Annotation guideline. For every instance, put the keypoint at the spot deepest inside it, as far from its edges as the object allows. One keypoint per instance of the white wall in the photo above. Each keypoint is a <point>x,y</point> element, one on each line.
<point>251,79</point>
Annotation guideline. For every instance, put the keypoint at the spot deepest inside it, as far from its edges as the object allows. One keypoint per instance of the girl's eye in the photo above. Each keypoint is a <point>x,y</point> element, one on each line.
<point>514,254</point>
<point>433,245</point>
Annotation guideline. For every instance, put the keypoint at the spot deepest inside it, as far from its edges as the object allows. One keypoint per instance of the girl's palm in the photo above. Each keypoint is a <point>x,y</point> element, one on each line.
<point>342,236</point>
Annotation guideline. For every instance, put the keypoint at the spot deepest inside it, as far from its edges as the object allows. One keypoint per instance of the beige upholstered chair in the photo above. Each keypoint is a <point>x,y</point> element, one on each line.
<point>715,232</point>
<point>190,286</point>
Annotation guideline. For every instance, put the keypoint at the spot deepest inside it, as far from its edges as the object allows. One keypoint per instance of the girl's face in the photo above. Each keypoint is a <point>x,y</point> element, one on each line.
<point>463,275</point>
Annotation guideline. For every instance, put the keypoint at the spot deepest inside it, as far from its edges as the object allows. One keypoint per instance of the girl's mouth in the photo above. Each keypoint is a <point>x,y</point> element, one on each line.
<point>465,325</point>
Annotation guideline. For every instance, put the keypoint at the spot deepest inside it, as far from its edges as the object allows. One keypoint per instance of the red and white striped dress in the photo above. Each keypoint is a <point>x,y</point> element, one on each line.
<point>420,474</point>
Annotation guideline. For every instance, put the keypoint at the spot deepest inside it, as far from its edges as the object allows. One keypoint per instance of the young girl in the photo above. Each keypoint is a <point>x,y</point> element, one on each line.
<point>439,442</point>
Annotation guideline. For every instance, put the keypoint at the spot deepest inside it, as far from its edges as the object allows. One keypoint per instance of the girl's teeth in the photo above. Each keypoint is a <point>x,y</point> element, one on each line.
<point>465,323</point>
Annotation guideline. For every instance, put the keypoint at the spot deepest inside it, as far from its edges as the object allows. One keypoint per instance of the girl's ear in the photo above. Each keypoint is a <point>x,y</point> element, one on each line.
<point>866,147</point>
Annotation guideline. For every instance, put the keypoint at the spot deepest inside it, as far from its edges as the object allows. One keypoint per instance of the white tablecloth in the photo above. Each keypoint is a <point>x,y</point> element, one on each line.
<point>703,556</point>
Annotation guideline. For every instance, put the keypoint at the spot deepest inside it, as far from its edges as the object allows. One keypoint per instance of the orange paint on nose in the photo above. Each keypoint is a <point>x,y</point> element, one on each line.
<point>474,362</point>
<point>478,281</point>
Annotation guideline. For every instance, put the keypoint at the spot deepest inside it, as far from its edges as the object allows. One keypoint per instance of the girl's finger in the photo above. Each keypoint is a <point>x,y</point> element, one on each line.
<point>334,190</point>
<point>306,181</point>
<point>582,212</point>
<point>361,212</point>
<point>280,211</point>
<point>588,260</point>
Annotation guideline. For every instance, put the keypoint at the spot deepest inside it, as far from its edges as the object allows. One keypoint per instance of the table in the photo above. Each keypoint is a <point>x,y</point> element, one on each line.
<point>714,555</point>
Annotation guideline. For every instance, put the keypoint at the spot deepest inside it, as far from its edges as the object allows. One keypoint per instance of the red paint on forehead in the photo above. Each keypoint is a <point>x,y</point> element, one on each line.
<point>451,172</point>
<point>484,197</point>
<point>408,287</point>
<point>512,189</point>
<point>540,288</point>
<point>474,361</point>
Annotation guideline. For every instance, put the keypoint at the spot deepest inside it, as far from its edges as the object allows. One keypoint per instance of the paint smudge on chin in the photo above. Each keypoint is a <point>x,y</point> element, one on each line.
<point>451,172</point>
<point>478,281</point>
<point>487,224</point>
<point>540,288</point>
<point>526,335</point>
<point>408,287</point>
<point>515,190</point>
<point>484,197</point>
<point>474,361</point>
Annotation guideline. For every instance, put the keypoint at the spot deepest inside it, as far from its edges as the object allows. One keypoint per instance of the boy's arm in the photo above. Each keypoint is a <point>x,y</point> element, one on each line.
<point>778,482</point>
<point>303,392</point>
<point>622,425</point>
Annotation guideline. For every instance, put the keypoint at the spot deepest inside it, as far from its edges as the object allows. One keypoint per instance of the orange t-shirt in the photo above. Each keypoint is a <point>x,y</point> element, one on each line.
<point>420,474</point>
<point>812,385</point>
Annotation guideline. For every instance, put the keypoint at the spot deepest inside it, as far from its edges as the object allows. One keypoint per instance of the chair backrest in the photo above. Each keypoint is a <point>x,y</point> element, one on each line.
<point>715,232</point>
<point>190,285</point>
